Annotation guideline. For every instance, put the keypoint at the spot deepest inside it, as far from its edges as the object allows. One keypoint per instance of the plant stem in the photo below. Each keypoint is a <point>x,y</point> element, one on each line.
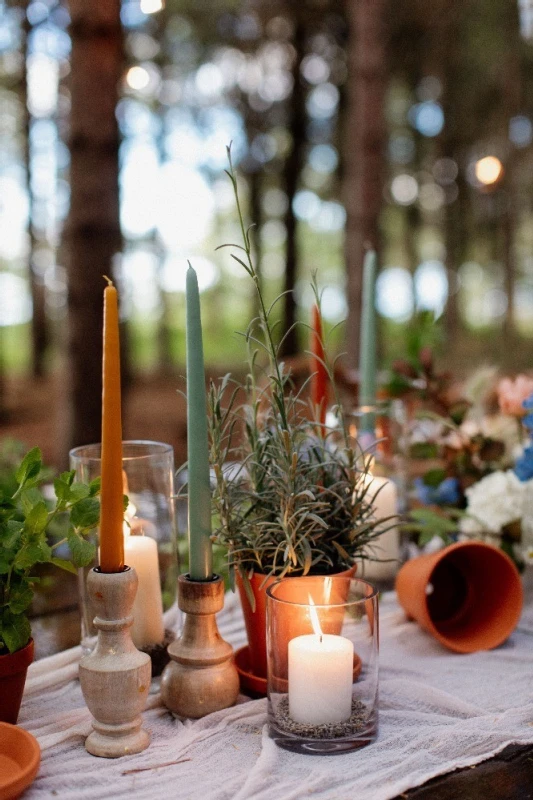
<point>263,312</point>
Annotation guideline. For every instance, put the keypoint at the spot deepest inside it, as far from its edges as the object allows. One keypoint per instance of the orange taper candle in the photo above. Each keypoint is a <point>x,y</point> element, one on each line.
<point>319,375</point>
<point>111,495</point>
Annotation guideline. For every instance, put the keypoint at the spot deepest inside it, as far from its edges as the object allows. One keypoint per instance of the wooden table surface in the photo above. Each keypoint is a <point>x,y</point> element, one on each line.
<point>508,776</point>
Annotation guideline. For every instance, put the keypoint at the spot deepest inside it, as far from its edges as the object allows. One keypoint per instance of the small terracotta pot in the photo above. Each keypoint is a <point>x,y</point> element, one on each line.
<point>255,621</point>
<point>20,756</point>
<point>13,669</point>
<point>468,595</point>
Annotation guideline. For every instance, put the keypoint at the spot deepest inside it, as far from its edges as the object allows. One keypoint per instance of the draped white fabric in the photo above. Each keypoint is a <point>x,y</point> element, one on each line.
<point>438,711</point>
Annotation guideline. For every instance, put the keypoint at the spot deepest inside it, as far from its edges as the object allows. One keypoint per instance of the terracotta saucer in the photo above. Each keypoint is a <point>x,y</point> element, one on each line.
<point>256,686</point>
<point>251,685</point>
<point>20,756</point>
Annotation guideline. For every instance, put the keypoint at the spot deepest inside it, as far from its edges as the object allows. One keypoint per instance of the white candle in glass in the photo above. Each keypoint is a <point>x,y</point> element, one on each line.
<point>386,546</point>
<point>320,677</point>
<point>140,552</point>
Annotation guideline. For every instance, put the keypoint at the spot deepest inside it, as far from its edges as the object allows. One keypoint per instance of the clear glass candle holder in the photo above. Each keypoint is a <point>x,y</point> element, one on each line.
<point>322,647</point>
<point>380,431</point>
<point>148,469</point>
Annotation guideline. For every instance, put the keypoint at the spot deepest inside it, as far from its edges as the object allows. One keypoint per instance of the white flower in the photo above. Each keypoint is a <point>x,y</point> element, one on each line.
<point>493,502</point>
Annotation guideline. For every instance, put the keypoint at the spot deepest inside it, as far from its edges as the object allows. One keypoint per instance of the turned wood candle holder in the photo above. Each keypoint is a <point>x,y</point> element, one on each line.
<point>115,677</point>
<point>201,676</point>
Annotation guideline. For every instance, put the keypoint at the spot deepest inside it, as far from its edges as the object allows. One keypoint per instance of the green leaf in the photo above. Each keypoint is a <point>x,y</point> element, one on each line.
<point>30,466</point>
<point>62,488</point>
<point>424,450</point>
<point>6,562</point>
<point>85,513</point>
<point>62,563</point>
<point>20,597</point>
<point>78,491</point>
<point>459,411</point>
<point>82,550</point>
<point>30,498</point>
<point>37,518</point>
<point>434,477</point>
<point>32,553</point>
<point>11,533</point>
<point>94,487</point>
<point>15,631</point>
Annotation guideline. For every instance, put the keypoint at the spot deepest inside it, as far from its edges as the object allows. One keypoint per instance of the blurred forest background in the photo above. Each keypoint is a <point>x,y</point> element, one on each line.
<point>407,125</point>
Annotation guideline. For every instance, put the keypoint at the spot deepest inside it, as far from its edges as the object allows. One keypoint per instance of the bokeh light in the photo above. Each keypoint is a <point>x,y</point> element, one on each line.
<point>431,286</point>
<point>520,131</point>
<point>152,6</point>
<point>15,300</point>
<point>394,294</point>
<point>186,207</point>
<point>404,189</point>
<point>138,78</point>
<point>488,170</point>
<point>427,118</point>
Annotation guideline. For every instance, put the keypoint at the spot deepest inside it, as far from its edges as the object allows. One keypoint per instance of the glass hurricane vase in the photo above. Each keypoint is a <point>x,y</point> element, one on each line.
<point>149,538</point>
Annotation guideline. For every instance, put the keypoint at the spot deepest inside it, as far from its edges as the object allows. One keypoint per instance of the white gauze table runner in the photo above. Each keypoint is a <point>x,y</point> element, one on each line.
<point>438,711</point>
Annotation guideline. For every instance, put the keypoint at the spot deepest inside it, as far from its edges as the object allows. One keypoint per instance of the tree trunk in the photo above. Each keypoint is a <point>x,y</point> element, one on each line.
<point>92,234</point>
<point>363,156</point>
<point>456,217</point>
<point>512,85</point>
<point>293,167</point>
<point>39,328</point>
<point>508,254</point>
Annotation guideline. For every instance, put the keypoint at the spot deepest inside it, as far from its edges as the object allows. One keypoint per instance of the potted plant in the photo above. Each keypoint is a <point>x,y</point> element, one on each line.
<point>292,497</point>
<point>26,519</point>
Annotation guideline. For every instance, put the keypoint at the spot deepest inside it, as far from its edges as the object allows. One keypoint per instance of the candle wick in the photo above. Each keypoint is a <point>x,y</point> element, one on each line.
<point>320,638</point>
<point>109,281</point>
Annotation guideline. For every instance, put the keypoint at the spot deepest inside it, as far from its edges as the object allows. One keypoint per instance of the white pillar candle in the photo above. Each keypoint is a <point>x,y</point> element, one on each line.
<point>320,679</point>
<point>140,552</point>
<point>386,546</point>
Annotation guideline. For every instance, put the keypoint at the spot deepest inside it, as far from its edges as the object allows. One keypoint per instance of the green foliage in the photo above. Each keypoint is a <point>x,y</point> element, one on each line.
<point>25,520</point>
<point>291,497</point>
<point>427,523</point>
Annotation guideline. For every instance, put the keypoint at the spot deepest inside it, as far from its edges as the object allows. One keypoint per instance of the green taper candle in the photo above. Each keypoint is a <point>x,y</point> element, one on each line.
<point>367,352</point>
<point>199,490</point>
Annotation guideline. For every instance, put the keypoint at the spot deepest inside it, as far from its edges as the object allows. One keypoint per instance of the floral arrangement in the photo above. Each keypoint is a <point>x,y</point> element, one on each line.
<point>479,461</point>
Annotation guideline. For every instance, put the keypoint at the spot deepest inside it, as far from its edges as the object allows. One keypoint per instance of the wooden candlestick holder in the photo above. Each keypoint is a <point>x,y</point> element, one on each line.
<point>115,677</point>
<point>201,676</point>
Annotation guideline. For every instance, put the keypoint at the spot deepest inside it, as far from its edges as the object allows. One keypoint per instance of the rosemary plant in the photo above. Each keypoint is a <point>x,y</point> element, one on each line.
<point>291,496</point>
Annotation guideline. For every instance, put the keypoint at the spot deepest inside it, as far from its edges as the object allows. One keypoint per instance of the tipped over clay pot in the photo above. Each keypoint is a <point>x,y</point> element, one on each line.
<point>468,595</point>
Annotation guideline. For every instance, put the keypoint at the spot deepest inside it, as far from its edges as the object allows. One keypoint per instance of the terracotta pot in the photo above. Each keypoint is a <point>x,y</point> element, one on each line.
<point>468,595</point>
<point>255,621</point>
<point>20,756</point>
<point>13,669</point>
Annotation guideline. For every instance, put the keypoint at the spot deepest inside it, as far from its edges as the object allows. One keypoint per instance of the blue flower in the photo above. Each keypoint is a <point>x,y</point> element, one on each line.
<point>447,493</point>
<point>524,466</point>
<point>527,422</point>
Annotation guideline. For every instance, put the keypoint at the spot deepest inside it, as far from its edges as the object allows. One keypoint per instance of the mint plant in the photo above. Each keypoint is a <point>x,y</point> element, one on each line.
<point>26,539</point>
